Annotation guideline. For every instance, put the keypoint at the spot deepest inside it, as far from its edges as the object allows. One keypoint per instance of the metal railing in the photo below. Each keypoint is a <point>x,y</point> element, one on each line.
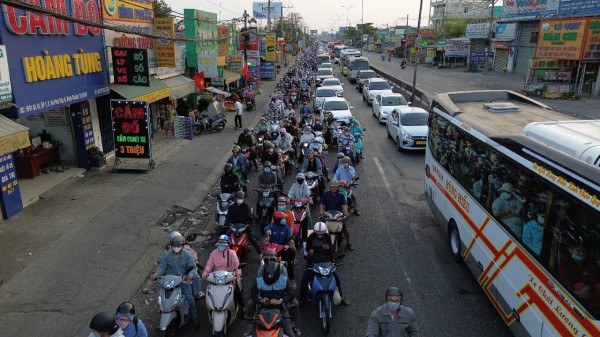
<point>406,88</point>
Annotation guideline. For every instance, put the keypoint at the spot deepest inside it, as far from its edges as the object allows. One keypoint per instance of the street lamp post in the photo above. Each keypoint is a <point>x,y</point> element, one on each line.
<point>414,84</point>
<point>347,9</point>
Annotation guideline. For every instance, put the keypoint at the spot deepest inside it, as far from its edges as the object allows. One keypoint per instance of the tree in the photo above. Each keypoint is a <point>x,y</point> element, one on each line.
<point>161,9</point>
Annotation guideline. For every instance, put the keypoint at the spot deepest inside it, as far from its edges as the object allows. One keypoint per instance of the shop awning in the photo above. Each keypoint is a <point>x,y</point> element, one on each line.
<point>13,136</point>
<point>218,91</point>
<point>180,85</point>
<point>229,76</point>
<point>157,90</point>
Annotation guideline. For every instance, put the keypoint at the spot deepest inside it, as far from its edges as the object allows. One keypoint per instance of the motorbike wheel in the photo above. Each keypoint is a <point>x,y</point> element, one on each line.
<point>219,334</point>
<point>325,320</point>
<point>197,129</point>
<point>220,127</point>
<point>170,331</point>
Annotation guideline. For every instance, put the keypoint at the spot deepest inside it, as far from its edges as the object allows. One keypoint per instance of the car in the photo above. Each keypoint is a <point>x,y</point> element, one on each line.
<point>323,73</point>
<point>375,87</point>
<point>362,76</point>
<point>385,103</point>
<point>320,94</point>
<point>326,65</point>
<point>339,107</point>
<point>408,128</point>
<point>323,58</point>
<point>335,84</point>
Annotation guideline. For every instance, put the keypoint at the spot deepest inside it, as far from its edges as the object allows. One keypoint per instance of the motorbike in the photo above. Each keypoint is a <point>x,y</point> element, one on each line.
<point>239,239</point>
<point>300,212</point>
<point>323,289</point>
<point>260,142</point>
<point>403,65</point>
<point>268,323</point>
<point>305,95</point>
<point>312,180</point>
<point>333,220</point>
<point>224,200</point>
<point>247,153</point>
<point>294,99</point>
<point>266,207</point>
<point>220,302</point>
<point>304,146</point>
<point>348,191</point>
<point>205,123</point>
<point>250,105</point>
<point>175,311</point>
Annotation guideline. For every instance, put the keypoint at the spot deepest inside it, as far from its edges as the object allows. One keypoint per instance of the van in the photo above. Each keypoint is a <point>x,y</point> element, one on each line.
<point>322,58</point>
<point>356,64</point>
<point>336,52</point>
<point>345,56</point>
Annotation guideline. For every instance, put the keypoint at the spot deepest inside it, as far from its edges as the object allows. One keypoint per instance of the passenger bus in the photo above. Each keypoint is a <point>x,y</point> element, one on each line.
<point>356,64</point>
<point>523,215</point>
<point>345,57</point>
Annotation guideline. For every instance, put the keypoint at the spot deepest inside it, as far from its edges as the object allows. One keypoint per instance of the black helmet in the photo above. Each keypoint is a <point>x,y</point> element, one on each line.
<point>104,322</point>
<point>247,130</point>
<point>125,308</point>
<point>393,291</point>
<point>228,167</point>
<point>240,194</point>
<point>271,272</point>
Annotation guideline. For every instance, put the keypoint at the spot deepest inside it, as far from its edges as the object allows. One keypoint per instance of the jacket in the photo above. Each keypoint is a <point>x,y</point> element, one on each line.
<point>136,327</point>
<point>271,157</point>
<point>267,179</point>
<point>230,183</point>
<point>248,140</point>
<point>239,214</point>
<point>242,161</point>
<point>299,191</point>
<point>320,254</point>
<point>317,165</point>
<point>381,323</point>
<point>280,289</point>
<point>220,261</point>
<point>174,264</point>
<point>280,234</point>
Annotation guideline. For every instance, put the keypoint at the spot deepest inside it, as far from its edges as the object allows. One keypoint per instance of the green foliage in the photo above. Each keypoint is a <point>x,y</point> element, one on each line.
<point>161,9</point>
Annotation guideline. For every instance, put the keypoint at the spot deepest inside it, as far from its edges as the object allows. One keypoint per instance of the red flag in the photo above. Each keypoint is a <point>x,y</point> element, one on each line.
<point>199,79</point>
<point>246,73</point>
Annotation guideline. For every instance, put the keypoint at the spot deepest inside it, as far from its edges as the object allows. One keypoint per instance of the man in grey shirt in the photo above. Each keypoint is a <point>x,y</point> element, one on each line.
<point>393,319</point>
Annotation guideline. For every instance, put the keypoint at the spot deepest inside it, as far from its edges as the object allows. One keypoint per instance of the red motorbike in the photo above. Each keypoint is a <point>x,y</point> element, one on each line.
<point>300,213</point>
<point>271,248</point>
<point>239,239</point>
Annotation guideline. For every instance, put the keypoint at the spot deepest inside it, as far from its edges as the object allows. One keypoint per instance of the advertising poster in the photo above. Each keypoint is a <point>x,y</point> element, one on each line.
<point>165,49</point>
<point>271,47</point>
<point>478,30</point>
<point>130,66</point>
<point>561,39</point>
<point>120,40</point>
<point>579,7</point>
<point>529,9</point>
<point>131,129</point>
<point>505,31</point>
<point>128,10</point>
<point>260,10</point>
<point>5,88</point>
<point>268,70</point>
<point>61,62</point>
<point>236,63</point>
<point>207,63</point>
<point>591,50</point>
<point>11,194</point>
<point>83,131</point>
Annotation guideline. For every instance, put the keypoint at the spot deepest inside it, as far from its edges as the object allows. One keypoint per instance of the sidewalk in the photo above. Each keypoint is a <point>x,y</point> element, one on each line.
<point>433,80</point>
<point>89,243</point>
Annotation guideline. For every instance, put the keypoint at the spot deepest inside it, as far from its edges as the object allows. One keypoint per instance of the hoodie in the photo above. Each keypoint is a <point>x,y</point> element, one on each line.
<point>130,330</point>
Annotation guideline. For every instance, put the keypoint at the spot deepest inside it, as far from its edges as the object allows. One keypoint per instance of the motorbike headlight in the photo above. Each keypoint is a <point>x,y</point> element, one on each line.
<point>324,271</point>
<point>266,194</point>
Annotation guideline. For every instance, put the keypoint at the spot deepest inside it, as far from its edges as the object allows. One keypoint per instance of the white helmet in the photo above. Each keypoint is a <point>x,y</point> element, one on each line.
<point>320,228</point>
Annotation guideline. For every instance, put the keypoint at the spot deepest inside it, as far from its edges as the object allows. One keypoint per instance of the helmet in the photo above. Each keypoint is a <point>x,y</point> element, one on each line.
<point>281,199</point>
<point>334,183</point>
<point>340,155</point>
<point>176,239</point>
<point>270,272</point>
<point>300,175</point>
<point>279,215</point>
<point>393,291</point>
<point>104,322</point>
<point>343,183</point>
<point>223,239</point>
<point>267,164</point>
<point>228,167</point>
<point>173,234</point>
<point>346,159</point>
<point>125,308</point>
<point>282,130</point>
<point>320,228</point>
<point>240,194</point>
<point>235,149</point>
<point>247,130</point>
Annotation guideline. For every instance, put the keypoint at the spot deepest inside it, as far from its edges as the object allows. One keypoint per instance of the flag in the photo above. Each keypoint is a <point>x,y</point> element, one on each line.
<point>199,79</point>
<point>246,71</point>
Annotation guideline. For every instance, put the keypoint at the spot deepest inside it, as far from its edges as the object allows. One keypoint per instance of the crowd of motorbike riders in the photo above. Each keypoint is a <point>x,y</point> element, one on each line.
<point>285,142</point>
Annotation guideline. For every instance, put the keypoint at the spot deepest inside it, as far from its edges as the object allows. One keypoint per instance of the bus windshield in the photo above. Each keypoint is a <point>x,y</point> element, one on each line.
<point>359,65</point>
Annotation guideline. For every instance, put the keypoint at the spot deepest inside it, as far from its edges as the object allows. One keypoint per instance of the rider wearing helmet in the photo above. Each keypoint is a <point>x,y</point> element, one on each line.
<point>240,212</point>
<point>320,250</point>
<point>103,324</point>
<point>240,162</point>
<point>180,262</point>
<point>131,325</point>
<point>279,232</point>
<point>224,259</point>
<point>196,286</point>
<point>230,183</point>
<point>246,138</point>
<point>270,154</point>
<point>393,313</point>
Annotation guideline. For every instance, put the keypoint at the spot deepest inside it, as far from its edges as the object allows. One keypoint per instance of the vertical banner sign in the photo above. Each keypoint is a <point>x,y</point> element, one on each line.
<point>165,49</point>
<point>83,131</point>
<point>11,194</point>
<point>130,66</point>
<point>130,129</point>
<point>5,87</point>
<point>271,42</point>
<point>591,51</point>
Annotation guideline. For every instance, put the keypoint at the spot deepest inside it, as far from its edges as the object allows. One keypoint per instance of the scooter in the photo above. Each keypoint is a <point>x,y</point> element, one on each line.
<point>224,200</point>
<point>299,212</point>
<point>250,105</point>
<point>324,292</point>
<point>239,239</point>
<point>312,180</point>
<point>348,191</point>
<point>265,209</point>
<point>175,311</point>
<point>333,220</point>
<point>270,248</point>
<point>268,323</point>
<point>220,302</point>
<point>204,123</point>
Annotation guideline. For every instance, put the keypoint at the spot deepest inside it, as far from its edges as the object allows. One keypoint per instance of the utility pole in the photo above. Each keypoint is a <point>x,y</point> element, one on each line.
<point>490,33</point>
<point>443,19</point>
<point>269,16</point>
<point>246,36</point>
<point>414,84</point>
<point>406,39</point>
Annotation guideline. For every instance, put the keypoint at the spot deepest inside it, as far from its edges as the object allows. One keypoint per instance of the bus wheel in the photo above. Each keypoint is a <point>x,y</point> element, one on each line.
<point>454,242</point>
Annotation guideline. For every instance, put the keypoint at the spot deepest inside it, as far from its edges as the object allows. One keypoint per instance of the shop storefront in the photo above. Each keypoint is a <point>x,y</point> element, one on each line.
<point>56,70</point>
<point>503,44</point>
<point>526,42</point>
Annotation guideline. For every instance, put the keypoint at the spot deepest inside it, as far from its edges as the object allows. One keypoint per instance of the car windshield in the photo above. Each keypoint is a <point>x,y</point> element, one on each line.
<point>367,74</point>
<point>393,101</point>
<point>322,59</point>
<point>323,72</point>
<point>379,86</point>
<point>359,65</point>
<point>414,118</point>
<point>336,105</point>
<point>330,82</point>
<point>326,65</point>
<point>326,93</point>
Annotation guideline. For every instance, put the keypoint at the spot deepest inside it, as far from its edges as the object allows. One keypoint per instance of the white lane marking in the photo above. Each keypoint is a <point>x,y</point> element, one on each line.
<point>388,187</point>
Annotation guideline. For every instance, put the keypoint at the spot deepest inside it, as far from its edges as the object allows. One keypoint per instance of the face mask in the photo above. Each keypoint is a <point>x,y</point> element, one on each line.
<point>540,220</point>
<point>300,181</point>
<point>239,201</point>
<point>267,170</point>
<point>283,222</point>
<point>221,248</point>
<point>281,208</point>
<point>506,195</point>
<point>578,258</point>
<point>393,306</point>
<point>177,249</point>
<point>123,324</point>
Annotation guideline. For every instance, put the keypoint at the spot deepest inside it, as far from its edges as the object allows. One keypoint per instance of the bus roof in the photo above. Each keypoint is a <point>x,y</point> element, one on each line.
<point>359,58</point>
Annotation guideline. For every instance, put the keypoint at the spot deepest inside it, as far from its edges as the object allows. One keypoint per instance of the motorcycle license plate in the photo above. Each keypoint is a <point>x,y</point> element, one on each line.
<point>420,142</point>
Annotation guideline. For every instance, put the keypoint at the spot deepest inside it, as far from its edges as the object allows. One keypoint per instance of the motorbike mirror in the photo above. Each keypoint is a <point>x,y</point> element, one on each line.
<point>341,256</point>
<point>191,237</point>
<point>356,178</point>
<point>242,265</point>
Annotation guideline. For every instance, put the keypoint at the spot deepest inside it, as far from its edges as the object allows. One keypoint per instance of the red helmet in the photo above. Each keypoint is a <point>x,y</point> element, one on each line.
<point>279,215</point>
<point>343,183</point>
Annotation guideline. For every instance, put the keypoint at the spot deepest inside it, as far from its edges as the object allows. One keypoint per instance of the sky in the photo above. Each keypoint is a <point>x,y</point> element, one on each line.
<point>321,14</point>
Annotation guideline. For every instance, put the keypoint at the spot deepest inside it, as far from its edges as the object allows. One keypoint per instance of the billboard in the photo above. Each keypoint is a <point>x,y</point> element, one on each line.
<point>528,9</point>
<point>579,7</point>
<point>591,51</point>
<point>505,31</point>
<point>478,30</point>
<point>271,43</point>
<point>260,10</point>
<point>165,49</point>
<point>561,39</point>
<point>131,128</point>
<point>132,11</point>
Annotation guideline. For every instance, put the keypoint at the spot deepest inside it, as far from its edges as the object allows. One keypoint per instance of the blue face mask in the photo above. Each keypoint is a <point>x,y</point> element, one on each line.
<point>578,258</point>
<point>283,222</point>
<point>221,248</point>
<point>281,208</point>
<point>267,170</point>
<point>393,306</point>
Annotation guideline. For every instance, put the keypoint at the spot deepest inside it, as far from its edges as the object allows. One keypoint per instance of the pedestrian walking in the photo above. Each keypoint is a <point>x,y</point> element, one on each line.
<point>239,111</point>
<point>393,319</point>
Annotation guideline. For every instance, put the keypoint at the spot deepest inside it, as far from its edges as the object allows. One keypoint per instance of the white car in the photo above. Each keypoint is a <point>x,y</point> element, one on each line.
<point>339,107</point>
<point>408,128</point>
<point>385,103</point>
<point>323,73</point>
<point>320,95</point>
<point>335,84</point>
<point>326,65</point>
<point>374,88</point>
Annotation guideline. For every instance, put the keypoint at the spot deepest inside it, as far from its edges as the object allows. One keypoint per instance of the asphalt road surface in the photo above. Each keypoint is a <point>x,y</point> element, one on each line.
<point>397,243</point>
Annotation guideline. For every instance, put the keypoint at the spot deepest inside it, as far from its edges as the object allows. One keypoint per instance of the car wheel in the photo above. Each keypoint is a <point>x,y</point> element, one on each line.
<point>388,133</point>
<point>398,144</point>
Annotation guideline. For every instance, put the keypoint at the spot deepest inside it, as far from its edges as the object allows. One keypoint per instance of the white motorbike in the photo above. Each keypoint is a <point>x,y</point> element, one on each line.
<point>220,302</point>
<point>175,310</point>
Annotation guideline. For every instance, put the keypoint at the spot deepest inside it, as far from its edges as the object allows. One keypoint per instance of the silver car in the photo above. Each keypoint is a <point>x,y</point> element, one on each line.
<point>408,128</point>
<point>320,95</point>
<point>385,103</point>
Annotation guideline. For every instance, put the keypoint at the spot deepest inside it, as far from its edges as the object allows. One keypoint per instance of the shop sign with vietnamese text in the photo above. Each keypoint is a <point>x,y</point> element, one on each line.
<point>165,48</point>
<point>529,8</point>
<point>506,31</point>
<point>207,63</point>
<point>121,40</point>
<point>456,50</point>
<point>54,62</point>
<point>591,51</point>
<point>130,66</point>
<point>5,88</point>
<point>561,39</point>
<point>128,10</point>
<point>478,30</point>
<point>579,7</point>
<point>11,193</point>
<point>131,129</point>
<point>271,44</point>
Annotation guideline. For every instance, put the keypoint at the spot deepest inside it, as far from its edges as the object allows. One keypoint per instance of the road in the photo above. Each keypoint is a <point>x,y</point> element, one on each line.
<point>397,243</point>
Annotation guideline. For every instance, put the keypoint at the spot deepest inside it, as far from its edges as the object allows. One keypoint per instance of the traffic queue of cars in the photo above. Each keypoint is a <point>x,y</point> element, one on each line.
<point>405,125</point>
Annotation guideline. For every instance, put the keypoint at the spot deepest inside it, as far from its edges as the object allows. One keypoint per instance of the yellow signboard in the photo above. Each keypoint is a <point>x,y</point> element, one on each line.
<point>271,43</point>
<point>561,39</point>
<point>165,49</point>
<point>154,96</point>
<point>591,51</point>
<point>128,10</point>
